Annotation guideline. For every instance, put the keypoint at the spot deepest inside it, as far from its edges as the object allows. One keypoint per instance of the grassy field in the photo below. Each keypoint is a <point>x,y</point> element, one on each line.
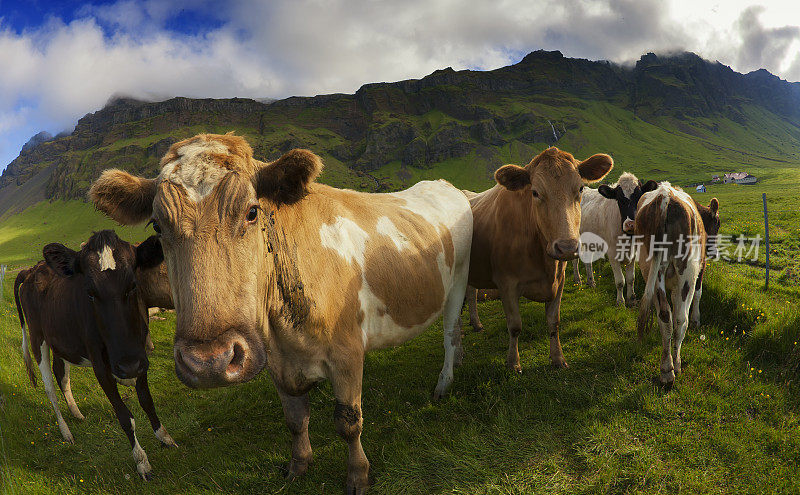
<point>729,425</point>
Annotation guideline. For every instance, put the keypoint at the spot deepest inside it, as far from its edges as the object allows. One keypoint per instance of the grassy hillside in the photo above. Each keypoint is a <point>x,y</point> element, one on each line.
<point>23,235</point>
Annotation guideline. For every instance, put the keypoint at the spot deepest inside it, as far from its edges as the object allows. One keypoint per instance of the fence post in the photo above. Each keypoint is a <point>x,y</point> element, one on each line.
<point>766,238</point>
<point>2,280</point>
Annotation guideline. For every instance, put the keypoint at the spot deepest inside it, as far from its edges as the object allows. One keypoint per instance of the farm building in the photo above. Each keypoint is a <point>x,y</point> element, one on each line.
<point>701,188</point>
<point>739,178</point>
<point>715,178</point>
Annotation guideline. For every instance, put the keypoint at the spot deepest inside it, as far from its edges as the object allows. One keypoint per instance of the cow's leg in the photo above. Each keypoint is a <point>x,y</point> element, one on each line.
<point>451,322</point>
<point>630,278</point>
<point>576,274</point>
<point>50,389</point>
<point>296,413</point>
<point>472,302</point>
<point>552,310</point>
<point>664,312</point>
<point>146,401</point>
<point>346,383</point>
<point>698,291</point>
<point>589,275</point>
<point>61,372</point>
<point>124,416</point>
<point>619,280</point>
<point>510,298</point>
<point>682,304</point>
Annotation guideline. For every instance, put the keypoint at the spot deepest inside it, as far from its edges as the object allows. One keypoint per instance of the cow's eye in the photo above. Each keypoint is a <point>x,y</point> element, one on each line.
<point>581,189</point>
<point>155,225</point>
<point>535,193</point>
<point>252,214</point>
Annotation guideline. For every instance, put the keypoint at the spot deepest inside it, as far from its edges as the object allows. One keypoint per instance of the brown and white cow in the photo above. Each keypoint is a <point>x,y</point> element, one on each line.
<point>526,229</point>
<point>609,212</point>
<point>85,307</point>
<point>671,257</point>
<point>268,267</point>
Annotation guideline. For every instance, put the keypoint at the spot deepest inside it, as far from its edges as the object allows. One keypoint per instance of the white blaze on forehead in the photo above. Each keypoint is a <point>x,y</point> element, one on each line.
<point>195,169</point>
<point>346,238</point>
<point>106,259</point>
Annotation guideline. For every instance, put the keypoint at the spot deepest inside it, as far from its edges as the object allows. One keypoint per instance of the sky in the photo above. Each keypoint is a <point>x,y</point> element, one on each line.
<point>62,60</point>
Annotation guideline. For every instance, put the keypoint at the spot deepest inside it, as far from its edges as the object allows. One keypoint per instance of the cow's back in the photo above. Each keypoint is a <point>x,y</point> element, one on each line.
<point>382,264</point>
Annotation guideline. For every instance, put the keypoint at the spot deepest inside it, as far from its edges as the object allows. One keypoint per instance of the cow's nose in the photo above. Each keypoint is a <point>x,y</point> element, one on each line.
<point>564,249</point>
<point>208,364</point>
<point>628,225</point>
<point>130,368</point>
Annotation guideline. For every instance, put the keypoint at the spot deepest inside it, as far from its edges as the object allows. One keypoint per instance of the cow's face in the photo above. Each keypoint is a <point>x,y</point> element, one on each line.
<point>626,193</point>
<point>212,205</point>
<point>550,187</point>
<point>107,266</point>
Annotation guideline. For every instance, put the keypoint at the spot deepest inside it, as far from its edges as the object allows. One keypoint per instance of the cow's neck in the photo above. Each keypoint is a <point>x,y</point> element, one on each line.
<point>286,300</point>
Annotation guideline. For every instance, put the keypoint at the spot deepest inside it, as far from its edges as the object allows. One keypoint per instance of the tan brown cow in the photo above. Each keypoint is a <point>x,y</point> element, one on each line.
<point>526,228</point>
<point>268,267</point>
<point>671,257</point>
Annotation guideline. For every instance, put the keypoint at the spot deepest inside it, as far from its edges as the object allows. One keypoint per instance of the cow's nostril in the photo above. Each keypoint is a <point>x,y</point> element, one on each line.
<point>237,361</point>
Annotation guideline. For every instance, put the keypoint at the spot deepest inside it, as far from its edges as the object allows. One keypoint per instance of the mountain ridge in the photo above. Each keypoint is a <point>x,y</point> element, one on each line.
<point>464,123</point>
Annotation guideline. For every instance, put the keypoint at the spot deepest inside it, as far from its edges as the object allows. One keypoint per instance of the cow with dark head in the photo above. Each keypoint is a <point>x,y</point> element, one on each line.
<point>609,213</point>
<point>85,307</point>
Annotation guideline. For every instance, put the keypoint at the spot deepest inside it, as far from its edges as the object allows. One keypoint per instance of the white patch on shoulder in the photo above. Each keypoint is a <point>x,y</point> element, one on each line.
<point>106,259</point>
<point>386,228</point>
<point>195,170</point>
<point>346,238</point>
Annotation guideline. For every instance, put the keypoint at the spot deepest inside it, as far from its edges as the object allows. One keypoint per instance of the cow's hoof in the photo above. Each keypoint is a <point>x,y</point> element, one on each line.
<point>632,303</point>
<point>69,438</point>
<point>296,469</point>
<point>355,490</point>
<point>591,284</point>
<point>148,476</point>
<point>516,368</point>
<point>667,379</point>
<point>169,445</point>
<point>477,328</point>
<point>559,363</point>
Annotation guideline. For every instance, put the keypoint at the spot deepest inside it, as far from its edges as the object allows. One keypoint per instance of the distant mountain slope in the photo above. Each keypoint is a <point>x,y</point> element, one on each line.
<point>677,117</point>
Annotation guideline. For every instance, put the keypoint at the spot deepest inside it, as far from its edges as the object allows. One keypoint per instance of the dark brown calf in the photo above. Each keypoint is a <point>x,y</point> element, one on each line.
<point>85,306</point>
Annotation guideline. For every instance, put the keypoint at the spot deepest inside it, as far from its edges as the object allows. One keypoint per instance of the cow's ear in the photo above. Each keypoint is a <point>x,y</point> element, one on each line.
<point>714,205</point>
<point>650,185</point>
<point>285,181</point>
<point>512,177</point>
<point>124,197</point>
<point>607,191</point>
<point>595,167</point>
<point>61,259</point>
<point>149,253</point>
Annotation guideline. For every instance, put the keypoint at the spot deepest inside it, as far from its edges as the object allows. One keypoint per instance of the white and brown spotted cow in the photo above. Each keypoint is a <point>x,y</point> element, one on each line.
<point>671,257</point>
<point>268,267</point>
<point>526,229</point>
<point>609,213</point>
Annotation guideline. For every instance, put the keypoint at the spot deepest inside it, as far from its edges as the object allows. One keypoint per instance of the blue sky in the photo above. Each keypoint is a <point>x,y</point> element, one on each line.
<point>62,60</point>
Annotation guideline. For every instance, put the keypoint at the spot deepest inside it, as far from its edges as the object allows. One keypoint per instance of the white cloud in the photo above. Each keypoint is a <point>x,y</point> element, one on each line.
<point>60,71</point>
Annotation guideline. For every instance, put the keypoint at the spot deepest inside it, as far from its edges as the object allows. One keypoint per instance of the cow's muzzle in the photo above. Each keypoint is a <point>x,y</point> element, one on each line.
<point>230,358</point>
<point>628,225</point>
<point>564,249</point>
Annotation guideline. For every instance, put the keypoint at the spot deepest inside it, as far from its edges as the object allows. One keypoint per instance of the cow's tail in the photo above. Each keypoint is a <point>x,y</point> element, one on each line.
<point>646,304</point>
<point>26,352</point>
